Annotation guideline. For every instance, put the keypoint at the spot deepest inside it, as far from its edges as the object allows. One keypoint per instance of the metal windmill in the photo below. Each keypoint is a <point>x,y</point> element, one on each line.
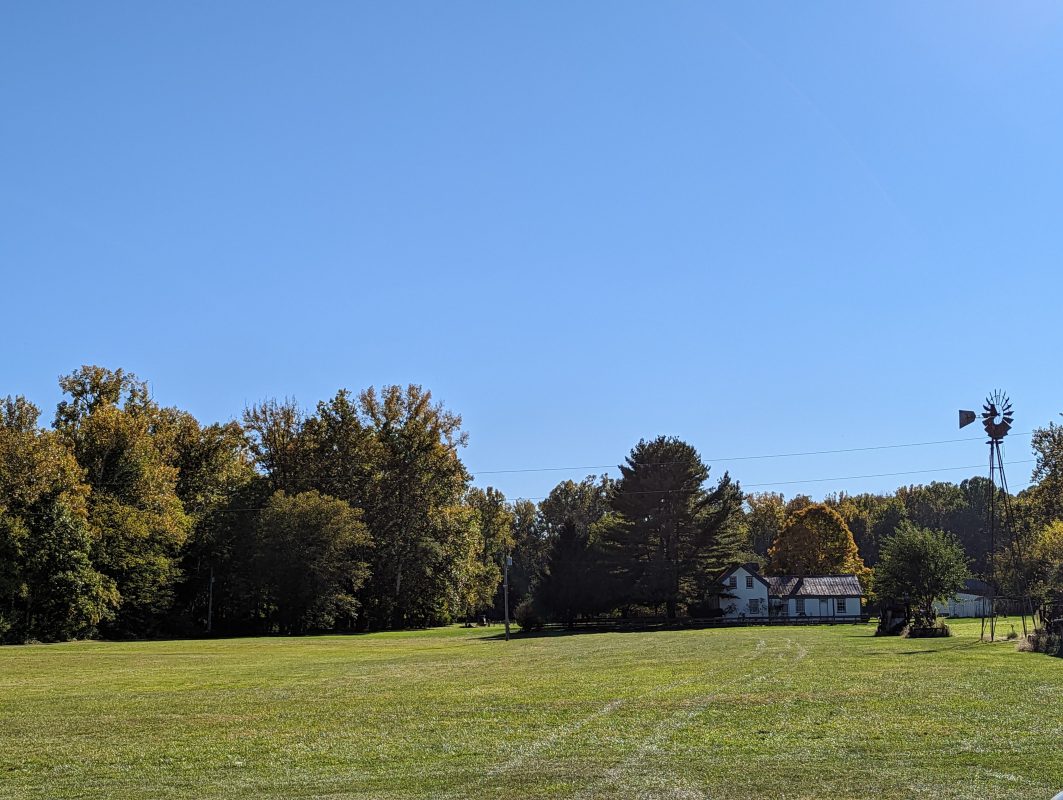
<point>997,418</point>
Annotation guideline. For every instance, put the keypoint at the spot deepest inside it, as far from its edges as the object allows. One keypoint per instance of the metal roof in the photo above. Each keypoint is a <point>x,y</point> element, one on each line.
<point>976,586</point>
<point>783,585</point>
<point>815,586</point>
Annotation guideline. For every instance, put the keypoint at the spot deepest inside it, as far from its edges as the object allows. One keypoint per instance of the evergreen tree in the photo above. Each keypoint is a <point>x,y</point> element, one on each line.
<point>65,597</point>
<point>566,587</point>
<point>667,534</point>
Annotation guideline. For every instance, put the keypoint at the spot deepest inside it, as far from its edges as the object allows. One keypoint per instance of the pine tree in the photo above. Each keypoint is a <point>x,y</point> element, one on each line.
<point>668,535</point>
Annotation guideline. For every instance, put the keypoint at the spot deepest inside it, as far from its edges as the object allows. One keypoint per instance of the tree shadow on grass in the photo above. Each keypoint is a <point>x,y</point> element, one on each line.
<point>948,648</point>
<point>632,627</point>
<point>559,632</point>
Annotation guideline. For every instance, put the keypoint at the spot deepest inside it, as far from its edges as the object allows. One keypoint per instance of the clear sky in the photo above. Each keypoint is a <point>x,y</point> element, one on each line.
<point>765,228</point>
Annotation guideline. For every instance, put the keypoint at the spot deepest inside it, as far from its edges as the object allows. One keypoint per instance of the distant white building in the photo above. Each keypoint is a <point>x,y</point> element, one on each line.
<point>747,595</point>
<point>974,601</point>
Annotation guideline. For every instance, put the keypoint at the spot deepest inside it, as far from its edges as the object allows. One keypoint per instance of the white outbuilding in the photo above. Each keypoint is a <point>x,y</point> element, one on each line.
<point>974,601</point>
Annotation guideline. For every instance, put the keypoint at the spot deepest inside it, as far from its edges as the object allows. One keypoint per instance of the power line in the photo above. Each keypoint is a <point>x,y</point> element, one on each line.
<point>823,480</point>
<point>749,485</point>
<point>882,474</point>
<point>748,458</point>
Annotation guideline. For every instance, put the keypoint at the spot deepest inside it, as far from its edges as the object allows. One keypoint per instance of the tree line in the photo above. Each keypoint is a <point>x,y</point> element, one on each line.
<point>127,519</point>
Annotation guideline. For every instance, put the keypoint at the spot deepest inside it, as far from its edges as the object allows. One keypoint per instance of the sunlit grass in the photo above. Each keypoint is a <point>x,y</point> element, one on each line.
<point>455,713</point>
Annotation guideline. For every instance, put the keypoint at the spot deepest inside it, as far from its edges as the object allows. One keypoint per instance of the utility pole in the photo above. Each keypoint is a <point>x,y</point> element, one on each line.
<point>505,591</point>
<point>210,602</point>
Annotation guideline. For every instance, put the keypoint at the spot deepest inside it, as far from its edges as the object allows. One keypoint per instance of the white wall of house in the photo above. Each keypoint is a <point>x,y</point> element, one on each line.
<point>740,605</point>
<point>964,604</point>
<point>822,607</point>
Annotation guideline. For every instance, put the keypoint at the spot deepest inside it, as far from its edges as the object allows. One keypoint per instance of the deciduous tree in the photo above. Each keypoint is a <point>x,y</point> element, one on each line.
<point>815,541</point>
<point>137,520</point>
<point>920,566</point>
<point>765,517</point>
<point>416,476</point>
<point>495,522</point>
<point>530,550</point>
<point>311,559</point>
<point>49,589</point>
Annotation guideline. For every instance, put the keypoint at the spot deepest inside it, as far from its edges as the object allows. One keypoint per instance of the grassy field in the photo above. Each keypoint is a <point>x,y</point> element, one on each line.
<point>452,713</point>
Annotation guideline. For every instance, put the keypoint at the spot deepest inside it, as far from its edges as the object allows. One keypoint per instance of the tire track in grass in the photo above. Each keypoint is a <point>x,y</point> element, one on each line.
<point>617,777</point>
<point>545,743</point>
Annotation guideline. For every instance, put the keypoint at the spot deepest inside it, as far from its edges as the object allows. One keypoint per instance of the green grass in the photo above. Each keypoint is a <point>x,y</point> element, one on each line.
<point>813,712</point>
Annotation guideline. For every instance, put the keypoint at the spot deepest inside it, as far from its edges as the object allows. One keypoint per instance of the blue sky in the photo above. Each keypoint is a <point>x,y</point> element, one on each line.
<point>764,228</point>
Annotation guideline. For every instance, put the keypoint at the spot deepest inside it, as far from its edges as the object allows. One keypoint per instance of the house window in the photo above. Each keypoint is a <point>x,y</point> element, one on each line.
<point>754,606</point>
<point>749,581</point>
<point>733,582</point>
<point>841,605</point>
<point>800,605</point>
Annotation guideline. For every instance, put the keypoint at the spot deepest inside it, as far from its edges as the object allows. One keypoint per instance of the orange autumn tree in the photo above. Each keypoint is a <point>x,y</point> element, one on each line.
<point>815,541</point>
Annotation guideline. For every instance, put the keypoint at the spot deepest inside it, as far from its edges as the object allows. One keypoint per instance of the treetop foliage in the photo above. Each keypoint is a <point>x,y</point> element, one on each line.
<point>919,567</point>
<point>815,541</point>
<point>125,518</point>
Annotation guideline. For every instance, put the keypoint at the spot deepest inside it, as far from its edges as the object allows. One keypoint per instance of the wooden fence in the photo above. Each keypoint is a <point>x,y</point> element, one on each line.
<point>651,623</point>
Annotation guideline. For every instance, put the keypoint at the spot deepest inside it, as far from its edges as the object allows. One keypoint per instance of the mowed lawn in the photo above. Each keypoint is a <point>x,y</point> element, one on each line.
<point>814,712</point>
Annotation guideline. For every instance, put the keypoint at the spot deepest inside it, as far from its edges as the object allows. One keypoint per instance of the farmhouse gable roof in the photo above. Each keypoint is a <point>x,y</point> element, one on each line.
<point>978,587</point>
<point>751,568</point>
<point>815,586</point>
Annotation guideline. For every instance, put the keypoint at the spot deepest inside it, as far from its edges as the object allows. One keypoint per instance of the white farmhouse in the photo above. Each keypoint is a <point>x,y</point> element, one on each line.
<point>819,596</point>
<point>748,595</point>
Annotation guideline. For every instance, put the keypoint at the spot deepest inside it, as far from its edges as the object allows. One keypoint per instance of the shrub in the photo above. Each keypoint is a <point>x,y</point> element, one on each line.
<point>1042,641</point>
<point>937,630</point>
<point>527,615</point>
<point>704,609</point>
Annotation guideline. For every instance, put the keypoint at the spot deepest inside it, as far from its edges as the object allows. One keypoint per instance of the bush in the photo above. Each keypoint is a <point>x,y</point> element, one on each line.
<point>704,610</point>
<point>528,616</point>
<point>1042,641</point>
<point>938,630</point>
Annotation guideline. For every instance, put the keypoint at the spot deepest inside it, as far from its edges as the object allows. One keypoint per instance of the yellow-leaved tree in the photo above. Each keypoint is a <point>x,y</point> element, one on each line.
<point>815,541</point>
